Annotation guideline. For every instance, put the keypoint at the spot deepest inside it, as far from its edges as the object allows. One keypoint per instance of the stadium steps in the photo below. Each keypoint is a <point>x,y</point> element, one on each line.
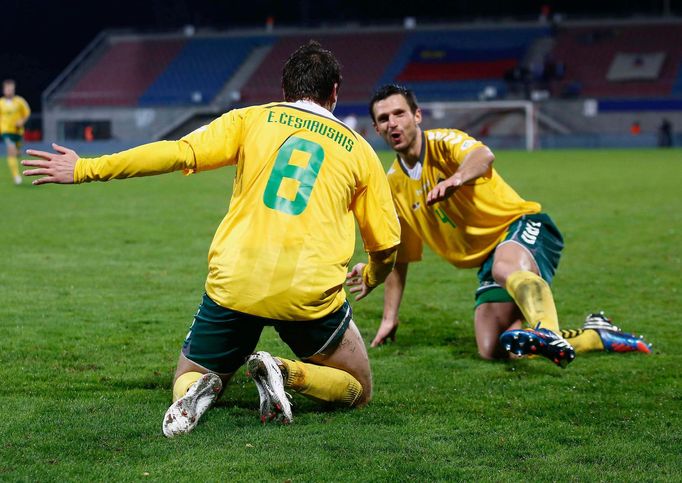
<point>232,91</point>
<point>123,72</point>
<point>195,77</point>
<point>57,92</point>
<point>196,117</point>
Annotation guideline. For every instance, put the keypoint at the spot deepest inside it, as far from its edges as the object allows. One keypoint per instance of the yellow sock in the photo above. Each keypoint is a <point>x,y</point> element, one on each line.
<point>13,166</point>
<point>534,297</point>
<point>183,383</point>
<point>583,340</point>
<point>322,383</point>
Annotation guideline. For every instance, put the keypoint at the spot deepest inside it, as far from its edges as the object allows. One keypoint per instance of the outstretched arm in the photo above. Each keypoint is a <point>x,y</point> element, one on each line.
<point>476,164</point>
<point>64,166</point>
<point>393,294</point>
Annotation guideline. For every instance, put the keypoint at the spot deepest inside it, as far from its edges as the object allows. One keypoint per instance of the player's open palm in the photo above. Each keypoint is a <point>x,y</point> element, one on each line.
<point>54,167</point>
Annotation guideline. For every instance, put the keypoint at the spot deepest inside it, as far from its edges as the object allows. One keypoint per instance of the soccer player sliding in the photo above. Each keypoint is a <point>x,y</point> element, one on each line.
<point>449,196</point>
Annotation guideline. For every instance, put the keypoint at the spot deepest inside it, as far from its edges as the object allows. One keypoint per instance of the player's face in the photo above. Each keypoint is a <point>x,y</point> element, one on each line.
<point>395,122</point>
<point>8,90</point>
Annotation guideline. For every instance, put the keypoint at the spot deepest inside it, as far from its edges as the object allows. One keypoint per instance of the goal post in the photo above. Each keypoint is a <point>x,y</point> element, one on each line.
<point>529,127</point>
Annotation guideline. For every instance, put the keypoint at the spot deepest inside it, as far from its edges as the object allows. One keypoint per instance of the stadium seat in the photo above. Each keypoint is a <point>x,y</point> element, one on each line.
<point>200,70</point>
<point>602,44</point>
<point>123,72</point>
<point>460,64</point>
<point>364,57</point>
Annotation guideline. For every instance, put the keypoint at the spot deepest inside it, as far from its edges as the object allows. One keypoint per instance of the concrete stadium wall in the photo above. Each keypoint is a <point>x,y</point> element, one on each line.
<point>131,125</point>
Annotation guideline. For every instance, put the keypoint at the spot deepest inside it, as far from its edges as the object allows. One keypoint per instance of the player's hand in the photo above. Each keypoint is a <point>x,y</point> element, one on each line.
<point>53,167</point>
<point>443,190</point>
<point>356,283</point>
<point>386,332</point>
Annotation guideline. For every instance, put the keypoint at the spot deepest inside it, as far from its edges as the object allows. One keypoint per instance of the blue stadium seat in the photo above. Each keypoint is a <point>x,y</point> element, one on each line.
<point>460,46</point>
<point>200,70</point>
<point>677,86</point>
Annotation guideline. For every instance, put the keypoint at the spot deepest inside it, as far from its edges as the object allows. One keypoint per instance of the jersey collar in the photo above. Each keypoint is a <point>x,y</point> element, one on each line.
<point>422,155</point>
<point>311,106</point>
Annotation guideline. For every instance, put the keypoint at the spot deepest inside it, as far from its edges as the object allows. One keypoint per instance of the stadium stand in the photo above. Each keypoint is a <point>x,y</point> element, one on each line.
<point>677,86</point>
<point>604,76</point>
<point>123,72</point>
<point>460,64</point>
<point>200,70</point>
<point>590,51</point>
<point>364,56</point>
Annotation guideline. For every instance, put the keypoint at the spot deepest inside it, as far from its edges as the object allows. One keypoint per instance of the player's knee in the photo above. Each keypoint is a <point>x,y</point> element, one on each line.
<point>487,350</point>
<point>486,355</point>
<point>364,397</point>
<point>362,388</point>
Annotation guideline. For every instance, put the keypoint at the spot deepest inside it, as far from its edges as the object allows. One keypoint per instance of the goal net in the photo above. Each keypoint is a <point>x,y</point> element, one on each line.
<point>501,124</point>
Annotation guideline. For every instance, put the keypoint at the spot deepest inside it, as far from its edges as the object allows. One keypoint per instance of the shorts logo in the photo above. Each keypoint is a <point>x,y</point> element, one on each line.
<point>531,232</point>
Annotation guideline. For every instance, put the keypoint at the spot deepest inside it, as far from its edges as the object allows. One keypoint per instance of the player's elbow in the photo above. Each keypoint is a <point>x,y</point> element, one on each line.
<point>489,157</point>
<point>380,265</point>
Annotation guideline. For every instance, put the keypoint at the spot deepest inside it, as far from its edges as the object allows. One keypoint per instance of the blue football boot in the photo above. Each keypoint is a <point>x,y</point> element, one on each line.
<point>614,339</point>
<point>542,342</point>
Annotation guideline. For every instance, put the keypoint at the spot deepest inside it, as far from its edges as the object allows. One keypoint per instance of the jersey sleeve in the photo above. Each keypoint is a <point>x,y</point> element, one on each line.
<point>373,208</point>
<point>411,246</point>
<point>146,160</point>
<point>217,144</point>
<point>454,148</point>
<point>25,109</point>
<point>461,145</point>
<point>209,147</point>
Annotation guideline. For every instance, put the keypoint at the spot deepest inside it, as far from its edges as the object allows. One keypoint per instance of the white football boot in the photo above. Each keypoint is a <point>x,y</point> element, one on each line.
<point>274,401</point>
<point>183,415</point>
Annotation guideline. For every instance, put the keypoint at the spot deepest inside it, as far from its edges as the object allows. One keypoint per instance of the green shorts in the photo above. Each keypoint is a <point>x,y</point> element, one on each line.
<point>220,339</point>
<point>541,237</point>
<point>12,138</point>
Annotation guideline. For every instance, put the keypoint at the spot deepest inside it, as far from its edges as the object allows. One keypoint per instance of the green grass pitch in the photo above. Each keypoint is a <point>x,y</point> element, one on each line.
<point>98,284</point>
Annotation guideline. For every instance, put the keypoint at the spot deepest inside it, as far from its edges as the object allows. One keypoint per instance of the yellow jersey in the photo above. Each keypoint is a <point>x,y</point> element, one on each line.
<point>466,227</point>
<point>12,111</point>
<point>283,249</point>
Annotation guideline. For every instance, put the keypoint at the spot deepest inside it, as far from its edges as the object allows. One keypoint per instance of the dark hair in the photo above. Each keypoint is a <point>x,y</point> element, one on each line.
<point>387,90</point>
<point>310,73</point>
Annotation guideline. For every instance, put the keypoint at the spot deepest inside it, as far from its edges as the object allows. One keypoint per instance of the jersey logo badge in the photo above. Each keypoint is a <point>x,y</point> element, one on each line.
<point>443,217</point>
